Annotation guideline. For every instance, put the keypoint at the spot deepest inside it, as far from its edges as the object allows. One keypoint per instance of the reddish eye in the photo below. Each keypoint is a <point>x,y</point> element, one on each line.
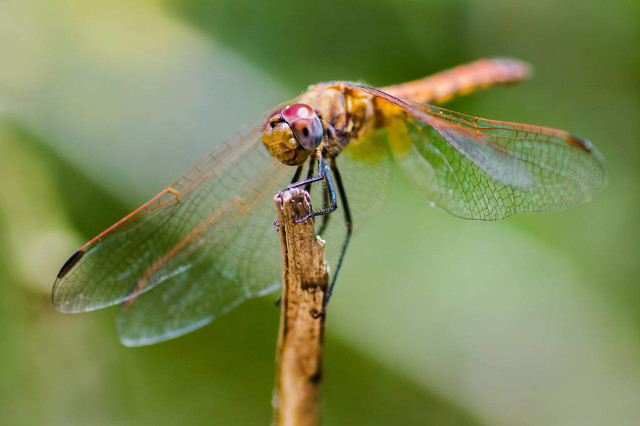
<point>305,125</point>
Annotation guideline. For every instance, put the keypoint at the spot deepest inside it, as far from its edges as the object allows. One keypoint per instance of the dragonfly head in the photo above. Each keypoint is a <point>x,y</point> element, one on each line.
<point>292,133</point>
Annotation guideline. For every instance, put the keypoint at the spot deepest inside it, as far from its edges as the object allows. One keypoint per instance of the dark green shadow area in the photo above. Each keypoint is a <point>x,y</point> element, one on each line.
<point>359,390</point>
<point>382,42</point>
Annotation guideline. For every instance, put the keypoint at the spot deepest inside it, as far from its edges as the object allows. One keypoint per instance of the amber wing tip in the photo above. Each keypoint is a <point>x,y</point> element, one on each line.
<point>75,257</point>
<point>577,141</point>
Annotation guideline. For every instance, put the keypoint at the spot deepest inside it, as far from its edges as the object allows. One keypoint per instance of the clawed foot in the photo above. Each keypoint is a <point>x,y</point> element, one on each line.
<point>315,314</point>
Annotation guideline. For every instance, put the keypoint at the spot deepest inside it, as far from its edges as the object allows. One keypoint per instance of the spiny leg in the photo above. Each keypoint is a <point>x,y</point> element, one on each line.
<point>349,225</point>
<point>310,178</point>
<point>324,173</point>
<point>326,217</point>
<point>296,175</point>
<point>312,163</point>
<point>325,196</point>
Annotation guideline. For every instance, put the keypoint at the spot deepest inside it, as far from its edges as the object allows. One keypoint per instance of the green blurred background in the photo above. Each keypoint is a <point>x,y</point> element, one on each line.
<point>534,320</point>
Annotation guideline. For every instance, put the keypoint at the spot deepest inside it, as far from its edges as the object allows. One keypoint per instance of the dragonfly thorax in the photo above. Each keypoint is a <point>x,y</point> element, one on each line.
<point>347,113</point>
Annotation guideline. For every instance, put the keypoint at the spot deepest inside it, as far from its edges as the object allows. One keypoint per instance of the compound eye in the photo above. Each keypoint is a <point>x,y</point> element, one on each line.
<point>305,124</point>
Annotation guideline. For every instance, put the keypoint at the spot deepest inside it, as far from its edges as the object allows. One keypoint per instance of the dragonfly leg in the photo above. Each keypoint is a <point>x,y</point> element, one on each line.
<point>296,175</point>
<point>325,196</point>
<point>349,225</point>
<point>312,162</point>
<point>310,178</point>
<point>326,217</point>
<point>324,173</point>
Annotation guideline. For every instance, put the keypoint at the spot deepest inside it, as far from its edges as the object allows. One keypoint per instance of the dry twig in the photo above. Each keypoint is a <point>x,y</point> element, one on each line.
<point>299,354</point>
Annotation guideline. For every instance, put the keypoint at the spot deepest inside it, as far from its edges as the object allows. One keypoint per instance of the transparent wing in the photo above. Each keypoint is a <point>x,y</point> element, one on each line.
<point>485,169</point>
<point>365,167</point>
<point>246,262</point>
<point>191,253</point>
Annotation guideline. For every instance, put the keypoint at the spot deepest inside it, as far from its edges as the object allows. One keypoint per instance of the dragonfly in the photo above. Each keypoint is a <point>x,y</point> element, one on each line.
<point>206,243</point>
